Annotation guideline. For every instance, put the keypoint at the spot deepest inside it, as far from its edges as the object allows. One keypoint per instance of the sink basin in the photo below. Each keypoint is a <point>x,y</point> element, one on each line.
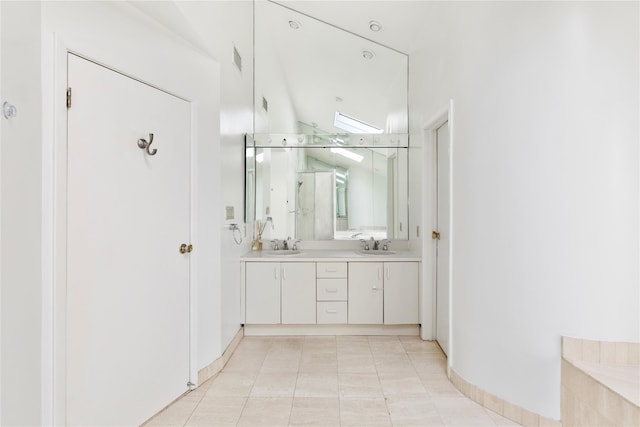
<point>376,253</point>
<point>281,252</point>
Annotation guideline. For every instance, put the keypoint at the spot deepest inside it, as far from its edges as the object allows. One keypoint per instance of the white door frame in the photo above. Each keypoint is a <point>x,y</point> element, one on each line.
<point>54,231</point>
<point>429,209</point>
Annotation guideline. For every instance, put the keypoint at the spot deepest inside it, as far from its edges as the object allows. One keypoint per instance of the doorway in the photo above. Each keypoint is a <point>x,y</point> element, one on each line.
<point>442,236</point>
<point>128,212</point>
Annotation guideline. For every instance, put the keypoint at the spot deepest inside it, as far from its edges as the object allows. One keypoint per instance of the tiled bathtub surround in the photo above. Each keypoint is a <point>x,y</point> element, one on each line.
<point>600,383</point>
<point>330,381</point>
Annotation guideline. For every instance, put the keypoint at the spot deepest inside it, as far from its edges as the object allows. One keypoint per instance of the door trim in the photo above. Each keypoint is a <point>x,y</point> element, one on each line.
<point>429,217</point>
<point>54,229</point>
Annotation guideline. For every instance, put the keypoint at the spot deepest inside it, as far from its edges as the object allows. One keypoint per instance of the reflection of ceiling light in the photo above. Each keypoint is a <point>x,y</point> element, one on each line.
<point>339,180</point>
<point>260,158</point>
<point>250,151</point>
<point>294,24</point>
<point>375,26</point>
<point>341,175</point>
<point>348,154</point>
<point>367,54</point>
<point>344,122</point>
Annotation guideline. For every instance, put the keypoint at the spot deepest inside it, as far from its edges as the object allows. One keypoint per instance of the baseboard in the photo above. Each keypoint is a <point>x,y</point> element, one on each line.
<point>265,330</point>
<point>500,406</point>
<point>216,366</point>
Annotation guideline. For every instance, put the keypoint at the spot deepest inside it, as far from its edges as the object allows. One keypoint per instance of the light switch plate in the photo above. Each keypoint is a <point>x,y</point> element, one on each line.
<point>230,214</point>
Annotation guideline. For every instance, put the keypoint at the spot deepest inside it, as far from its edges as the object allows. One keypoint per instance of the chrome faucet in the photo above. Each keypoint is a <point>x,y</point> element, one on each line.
<point>365,244</point>
<point>285,244</point>
<point>385,244</point>
<point>275,245</point>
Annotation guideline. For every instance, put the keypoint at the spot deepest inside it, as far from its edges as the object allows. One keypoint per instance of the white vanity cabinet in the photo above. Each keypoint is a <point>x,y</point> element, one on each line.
<point>262,295</point>
<point>401,293</point>
<point>331,292</point>
<point>280,293</point>
<point>383,293</point>
<point>366,293</point>
<point>298,293</point>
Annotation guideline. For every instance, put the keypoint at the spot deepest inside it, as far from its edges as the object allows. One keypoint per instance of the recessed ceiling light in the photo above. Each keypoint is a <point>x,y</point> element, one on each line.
<point>375,26</point>
<point>294,24</point>
<point>367,54</point>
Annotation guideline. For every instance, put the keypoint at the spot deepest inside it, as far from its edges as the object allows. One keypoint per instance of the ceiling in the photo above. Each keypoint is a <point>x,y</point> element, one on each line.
<point>403,29</point>
<point>402,21</point>
<point>321,70</point>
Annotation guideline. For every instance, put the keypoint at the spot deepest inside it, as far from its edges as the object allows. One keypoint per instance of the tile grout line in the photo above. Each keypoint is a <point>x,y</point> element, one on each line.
<point>244,406</point>
<point>194,408</point>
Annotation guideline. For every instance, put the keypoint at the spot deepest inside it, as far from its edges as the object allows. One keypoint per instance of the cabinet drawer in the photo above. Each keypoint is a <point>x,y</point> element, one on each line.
<point>331,289</point>
<point>332,312</point>
<point>331,270</point>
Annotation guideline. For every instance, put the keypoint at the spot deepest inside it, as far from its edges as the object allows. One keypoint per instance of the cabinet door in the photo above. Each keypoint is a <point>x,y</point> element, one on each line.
<point>262,293</point>
<point>401,293</point>
<point>298,293</point>
<point>365,293</point>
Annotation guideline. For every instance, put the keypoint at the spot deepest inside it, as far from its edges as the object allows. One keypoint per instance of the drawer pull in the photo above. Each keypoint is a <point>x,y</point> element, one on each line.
<point>331,311</point>
<point>331,290</point>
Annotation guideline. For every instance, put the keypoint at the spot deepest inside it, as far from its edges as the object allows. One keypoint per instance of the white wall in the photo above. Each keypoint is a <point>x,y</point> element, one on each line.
<point>171,64</point>
<point>545,182</point>
<point>20,216</point>
<point>222,25</point>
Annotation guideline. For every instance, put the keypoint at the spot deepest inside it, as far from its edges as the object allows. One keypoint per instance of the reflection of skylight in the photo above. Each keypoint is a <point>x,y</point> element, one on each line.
<point>250,151</point>
<point>352,125</point>
<point>345,153</point>
<point>340,175</point>
<point>260,158</point>
<point>339,180</point>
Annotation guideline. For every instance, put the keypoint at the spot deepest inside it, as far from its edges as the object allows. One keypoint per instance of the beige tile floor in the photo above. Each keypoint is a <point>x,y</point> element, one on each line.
<point>330,381</point>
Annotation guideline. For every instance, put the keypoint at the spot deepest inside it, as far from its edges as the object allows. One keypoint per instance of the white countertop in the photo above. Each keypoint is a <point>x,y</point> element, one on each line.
<point>329,255</point>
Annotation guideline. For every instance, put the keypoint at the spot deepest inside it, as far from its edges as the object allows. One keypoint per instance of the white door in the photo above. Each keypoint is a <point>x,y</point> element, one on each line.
<point>127,283</point>
<point>366,291</point>
<point>442,244</point>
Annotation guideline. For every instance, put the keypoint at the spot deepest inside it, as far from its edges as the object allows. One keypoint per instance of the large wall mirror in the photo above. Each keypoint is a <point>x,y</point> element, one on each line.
<point>328,159</point>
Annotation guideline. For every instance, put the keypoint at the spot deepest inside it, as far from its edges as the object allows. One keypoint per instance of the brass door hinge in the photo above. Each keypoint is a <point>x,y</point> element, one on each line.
<point>68,98</point>
<point>435,235</point>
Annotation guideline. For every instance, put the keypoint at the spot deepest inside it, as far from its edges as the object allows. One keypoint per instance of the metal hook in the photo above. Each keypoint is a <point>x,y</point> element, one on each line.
<point>142,144</point>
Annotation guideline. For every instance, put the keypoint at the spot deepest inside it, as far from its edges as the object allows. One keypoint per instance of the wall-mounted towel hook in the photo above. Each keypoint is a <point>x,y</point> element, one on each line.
<point>143,144</point>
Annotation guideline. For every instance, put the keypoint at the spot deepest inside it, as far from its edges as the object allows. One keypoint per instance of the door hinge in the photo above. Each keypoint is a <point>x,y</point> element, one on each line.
<point>69,98</point>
